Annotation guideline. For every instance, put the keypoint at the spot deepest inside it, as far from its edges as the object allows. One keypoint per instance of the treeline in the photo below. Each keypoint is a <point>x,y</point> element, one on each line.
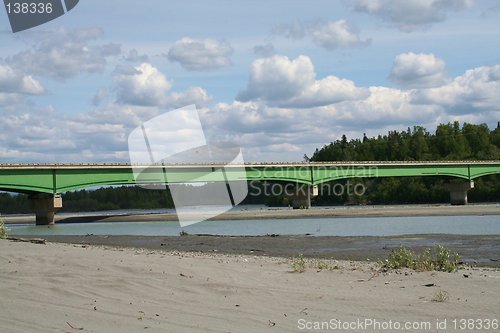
<point>103,199</point>
<point>449,142</point>
<point>114,198</point>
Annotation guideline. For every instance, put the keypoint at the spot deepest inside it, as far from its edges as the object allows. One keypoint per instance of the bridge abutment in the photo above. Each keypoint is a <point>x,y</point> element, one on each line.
<point>458,191</point>
<point>45,208</point>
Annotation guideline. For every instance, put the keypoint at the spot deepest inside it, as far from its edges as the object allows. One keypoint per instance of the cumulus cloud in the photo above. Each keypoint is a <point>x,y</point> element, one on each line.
<point>335,35</point>
<point>62,54</point>
<point>12,81</point>
<point>46,135</point>
<point>411,70</point>
<point>411,15</point>
<point>198,55</point>
<point>247,117</point>
<point>146,85</point>
<point>384,106</point>
<point>193,95</point>
<point>38,135</point>
<point>280,120</point>
<point>141,85</point>
<point>330,35</point>
<point>475,91</point>
<point>261,129</point>
<point>280,81</point>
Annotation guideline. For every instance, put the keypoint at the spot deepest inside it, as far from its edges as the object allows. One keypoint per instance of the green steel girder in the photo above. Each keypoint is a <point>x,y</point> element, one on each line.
<point>54,179</point>
<point>477,171</point>
<point>322,175</point>
<point>298,174</point>
<point>27,180</point>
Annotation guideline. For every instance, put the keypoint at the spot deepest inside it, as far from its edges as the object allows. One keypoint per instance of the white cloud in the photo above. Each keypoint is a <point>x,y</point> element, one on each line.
<point>284,147</point>
<point>383,107</point>
<point>198,55</point>
<point>141,85</point>
<point>411,70</point>
<point>193,95</point>
<point>247,117</point>
<point>63,54</point>
<point>145,85</point>
<point>280,81</point>
<point>410,15</point>
<point>269,126</point>
<point>330,35</point>
<point>277,133</point>
<point>335,35</point>
<point>14,82</point>
<point>476,91</point>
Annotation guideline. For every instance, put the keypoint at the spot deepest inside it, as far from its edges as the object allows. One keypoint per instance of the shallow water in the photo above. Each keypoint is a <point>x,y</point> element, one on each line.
<point>362,226</point>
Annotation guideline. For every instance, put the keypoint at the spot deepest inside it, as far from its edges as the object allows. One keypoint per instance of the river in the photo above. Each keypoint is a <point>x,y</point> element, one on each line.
<point>352,226</point>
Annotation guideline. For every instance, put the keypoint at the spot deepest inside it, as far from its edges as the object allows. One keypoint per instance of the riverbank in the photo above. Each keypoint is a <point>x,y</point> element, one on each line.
<point>75,288</point>
<point>474,250</point>
<point>270,213</point>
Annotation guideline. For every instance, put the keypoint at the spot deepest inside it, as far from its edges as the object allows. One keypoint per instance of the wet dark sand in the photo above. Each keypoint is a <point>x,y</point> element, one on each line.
<point>479,250</point>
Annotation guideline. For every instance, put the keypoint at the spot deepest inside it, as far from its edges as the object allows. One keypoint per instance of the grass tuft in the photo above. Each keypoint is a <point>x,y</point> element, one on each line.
<point>441,296</point>
<point>438,258</point>
<point>3,229</point>
<point>323,265</point>
<point>298,264</point>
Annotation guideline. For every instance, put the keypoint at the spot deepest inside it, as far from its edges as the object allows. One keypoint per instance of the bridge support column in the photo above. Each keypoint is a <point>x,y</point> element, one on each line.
<point>45,208</point>
<point>458,191</point>
<point>301,198</point>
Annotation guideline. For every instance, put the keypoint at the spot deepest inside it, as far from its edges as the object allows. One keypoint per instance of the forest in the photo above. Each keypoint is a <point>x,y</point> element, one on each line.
<point>449,142</point>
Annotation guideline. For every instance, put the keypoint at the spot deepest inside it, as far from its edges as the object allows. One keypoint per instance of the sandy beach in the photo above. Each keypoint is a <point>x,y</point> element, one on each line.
<point>202,283</point>
<point>75,288</point>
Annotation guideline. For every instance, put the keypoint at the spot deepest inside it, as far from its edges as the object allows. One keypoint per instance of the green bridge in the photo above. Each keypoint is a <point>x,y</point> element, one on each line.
<point>45,182</point>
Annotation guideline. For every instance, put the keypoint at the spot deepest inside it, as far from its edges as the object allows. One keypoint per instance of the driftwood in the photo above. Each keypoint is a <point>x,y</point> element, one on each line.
<point>75,328</point>
<point>27,240</point>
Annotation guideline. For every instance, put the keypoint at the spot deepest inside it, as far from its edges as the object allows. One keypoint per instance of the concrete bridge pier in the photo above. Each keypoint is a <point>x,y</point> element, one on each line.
<point>458,191</point>
<point>301,198</point>
<point>45,207</point>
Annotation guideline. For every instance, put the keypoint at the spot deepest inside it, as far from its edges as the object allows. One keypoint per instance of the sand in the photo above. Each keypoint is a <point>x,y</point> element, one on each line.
<point>75,288</point>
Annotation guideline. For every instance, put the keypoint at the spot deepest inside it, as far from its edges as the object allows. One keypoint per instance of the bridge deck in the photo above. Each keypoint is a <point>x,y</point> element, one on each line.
<point>247,164</point>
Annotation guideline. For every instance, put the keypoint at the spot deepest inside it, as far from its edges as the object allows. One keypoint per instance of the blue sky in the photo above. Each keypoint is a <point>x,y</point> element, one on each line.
<point>279,78</point>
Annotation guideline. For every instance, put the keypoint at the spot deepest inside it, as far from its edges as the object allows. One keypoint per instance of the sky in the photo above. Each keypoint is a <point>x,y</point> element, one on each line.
<point>279,78</point>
